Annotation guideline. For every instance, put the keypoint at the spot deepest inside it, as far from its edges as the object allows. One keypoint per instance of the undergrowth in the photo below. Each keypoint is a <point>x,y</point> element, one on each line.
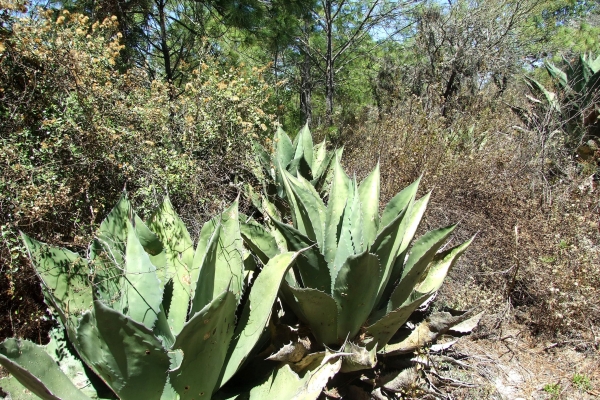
<point>534,209</point>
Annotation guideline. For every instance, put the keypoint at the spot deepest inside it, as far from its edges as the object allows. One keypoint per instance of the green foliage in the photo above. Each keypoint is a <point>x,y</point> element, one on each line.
<point>124,309</point>
<point>553,389</point>
<point>360,279</point>
<point>582,382</point>
<point>581,38</point>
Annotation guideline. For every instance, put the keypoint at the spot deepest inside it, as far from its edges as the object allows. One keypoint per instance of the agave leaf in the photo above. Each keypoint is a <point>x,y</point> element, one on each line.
<point>73,366</point>
<point>292,352</point>
<point>308,208</point>
<point>557,74</point>
<point>270,208</point>
<point>15,390</point>
<point>408,228</point>
<point>421,255</point>
<point>258,240</point>
<point>108,275</point>
<point>439,267</point>
<point>360,358</point>
<point>345,246</point>
<point>299,166</point>
<point>162,329</point>
<point>142,297</point>
<point>338,196</point>
<point>354,292</point>
<point>382,330</point>
<point>297,219</point>
<point>272,212</point>
<point>253,195</point>
<point>284,149</point>
<point>426,332</point>
<point>357,225</point>
<point>124,353</point>
<point>319,310</point>
<point>538,89</point>
<point>37,371</point>
<point>207,239</point>
<point>399,203</point>
<point>305,185</point>
<point>108,251</point>
<point>169,392</point>
<point>256,313</point>
<point>586,71</point>
<point>323,172</point>
<point>594,64</point>
<point>398,381</point>
<point>179,256</point>
<point>321,159</point>
<point>415,214</point>
<point>324,184</point>
<point>288,297</point>
<point>263,157</point>
<point>386,247</point>
<point>466,325</point>
<point>368,193</point>
<point>150,241</point>
<point>311,264</point>
<point>591,89</point>
<point>204,341</point>
<point>113,231</point>
<point>304,145</point>
<point>205,260</point>
<point>283,383</point>
<point>65,277</point>
<point>221,265</point>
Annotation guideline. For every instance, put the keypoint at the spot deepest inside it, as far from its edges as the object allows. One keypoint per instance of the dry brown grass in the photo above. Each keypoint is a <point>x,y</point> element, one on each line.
<point>535,214</point>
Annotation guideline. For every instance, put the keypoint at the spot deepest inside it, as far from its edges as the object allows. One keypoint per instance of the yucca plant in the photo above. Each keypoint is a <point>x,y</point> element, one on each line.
<point>148,315</point>
<point>360,278</point>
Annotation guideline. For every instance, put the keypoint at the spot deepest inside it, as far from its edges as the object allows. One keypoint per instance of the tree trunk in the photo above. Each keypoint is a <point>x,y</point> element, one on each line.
<point>164,46</point>
<point>329,84</point>
<point>305,91</point>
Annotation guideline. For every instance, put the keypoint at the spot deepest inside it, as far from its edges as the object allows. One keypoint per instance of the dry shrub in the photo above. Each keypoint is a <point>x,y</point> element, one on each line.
<point>537,235</point>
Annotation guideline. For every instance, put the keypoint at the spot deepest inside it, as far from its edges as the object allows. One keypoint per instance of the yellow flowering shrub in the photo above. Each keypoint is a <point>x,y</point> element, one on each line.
<point>76,129</point>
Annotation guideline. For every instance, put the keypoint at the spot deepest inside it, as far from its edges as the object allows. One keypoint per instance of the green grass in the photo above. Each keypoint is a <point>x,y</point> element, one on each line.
<point>582,382</point>
<point>553,389</point>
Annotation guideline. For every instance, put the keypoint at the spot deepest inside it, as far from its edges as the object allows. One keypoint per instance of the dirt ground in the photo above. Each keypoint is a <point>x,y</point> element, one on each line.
<point>512,364</point>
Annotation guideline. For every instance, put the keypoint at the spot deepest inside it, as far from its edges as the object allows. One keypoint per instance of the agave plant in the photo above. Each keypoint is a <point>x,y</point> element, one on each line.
<point>298,157</point>
<point>575,100</point>
<point>360,278</point>
<point>148,315</point>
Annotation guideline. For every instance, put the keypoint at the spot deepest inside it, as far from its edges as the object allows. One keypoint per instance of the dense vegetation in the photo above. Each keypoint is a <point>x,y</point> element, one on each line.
<point>493,104</point>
